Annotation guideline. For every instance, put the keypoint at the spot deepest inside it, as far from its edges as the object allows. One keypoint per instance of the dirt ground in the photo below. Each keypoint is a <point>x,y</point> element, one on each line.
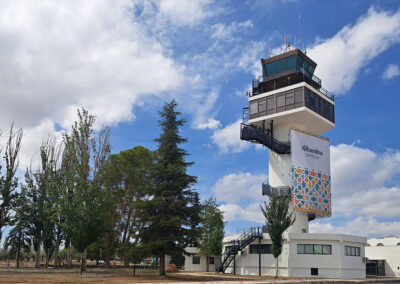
<point>97,275</point>
<point>94,275</point>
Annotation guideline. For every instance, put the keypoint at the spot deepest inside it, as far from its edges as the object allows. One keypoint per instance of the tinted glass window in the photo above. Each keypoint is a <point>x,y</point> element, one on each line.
<point>270,103</point>
<point>299,61</point>
<point>289,98</point>
<point>211,260</point>
<point>316,106</point>
<point>309,249</point>
<point>317,249</point>
<point>280,100</point>
<point>298,96</point>
<point>270,69</point>
<point>290,62</point>
<point>326,249</point>
<point>280,67</point>
<point>312,102</point>
<point>310,69</point>
<point>254,108</point>
<point>301,249</point>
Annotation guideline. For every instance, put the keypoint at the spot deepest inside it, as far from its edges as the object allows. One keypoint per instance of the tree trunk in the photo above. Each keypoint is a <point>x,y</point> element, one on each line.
<point>37,258</point>
<point>47,262</point>
<point>162,264</point>
<point>277,267</point>
<point>126,262</point>
<point>208,262</point>
<point>17,260</point>
<point>69,257</point>
<point>109,247</point>
<point>56,250</point>
<point>83,261</point>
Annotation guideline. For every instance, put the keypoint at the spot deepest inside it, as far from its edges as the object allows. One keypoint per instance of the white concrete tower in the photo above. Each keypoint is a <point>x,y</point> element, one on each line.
<point>289,97</point>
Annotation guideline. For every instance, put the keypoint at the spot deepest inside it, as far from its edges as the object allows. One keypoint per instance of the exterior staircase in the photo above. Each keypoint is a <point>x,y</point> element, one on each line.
<point>237,245</point>
<point>253,134</point>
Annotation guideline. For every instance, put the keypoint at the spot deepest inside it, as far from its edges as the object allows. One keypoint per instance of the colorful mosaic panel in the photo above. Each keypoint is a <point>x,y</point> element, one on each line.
<point>311,191</point>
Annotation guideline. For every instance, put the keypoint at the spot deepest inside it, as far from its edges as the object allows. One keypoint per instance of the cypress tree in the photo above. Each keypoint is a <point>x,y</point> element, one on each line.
<point>172,209</point>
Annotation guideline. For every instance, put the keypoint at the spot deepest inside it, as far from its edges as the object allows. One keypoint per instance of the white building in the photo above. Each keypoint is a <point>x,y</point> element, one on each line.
<point>194,261</point>
<point>288,111</point>
<point>303,255</point>
<point>384,256</point>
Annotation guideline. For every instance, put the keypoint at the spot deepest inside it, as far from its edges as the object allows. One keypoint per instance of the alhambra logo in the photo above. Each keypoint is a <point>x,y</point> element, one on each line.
<point>305,148</point>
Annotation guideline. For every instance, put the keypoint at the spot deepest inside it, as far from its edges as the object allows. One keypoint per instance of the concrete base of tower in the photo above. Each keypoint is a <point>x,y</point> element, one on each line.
<point>304,255</point>
<point>300,224</point>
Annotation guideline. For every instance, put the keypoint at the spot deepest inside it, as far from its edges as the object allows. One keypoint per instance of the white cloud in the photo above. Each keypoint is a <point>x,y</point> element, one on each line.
<point>185,12</point>
<point>356,169</point>
<point>362,203</point>
<point>359,226</point>
<point>392,70</point>
<point>210,124</point>
<point>250,213</point>
<point>228,139</point>
<point>233,188</point>
<point>227,32</point>
<point>341,57</point>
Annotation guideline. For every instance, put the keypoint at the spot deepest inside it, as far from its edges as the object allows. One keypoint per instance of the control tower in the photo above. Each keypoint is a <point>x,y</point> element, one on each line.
<point>288,112</point>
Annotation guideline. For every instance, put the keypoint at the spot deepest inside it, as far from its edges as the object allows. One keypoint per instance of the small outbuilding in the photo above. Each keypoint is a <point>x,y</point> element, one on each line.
<point>194,261</point>
<point>383,256</point>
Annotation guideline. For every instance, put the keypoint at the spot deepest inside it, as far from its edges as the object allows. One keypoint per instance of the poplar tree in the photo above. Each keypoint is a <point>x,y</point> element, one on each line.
<point>8,180</point>
<point>171,210</point>
<point>86,204</point>
<point>212,225</point>
<point>278,219</point>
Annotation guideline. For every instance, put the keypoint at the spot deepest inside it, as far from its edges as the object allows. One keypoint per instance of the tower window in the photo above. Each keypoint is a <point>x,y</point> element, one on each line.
<point>254,108</point>
<point>261,106</point>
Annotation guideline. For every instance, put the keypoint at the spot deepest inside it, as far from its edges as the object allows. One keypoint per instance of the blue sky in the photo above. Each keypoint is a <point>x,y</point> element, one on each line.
<point>123,59</point>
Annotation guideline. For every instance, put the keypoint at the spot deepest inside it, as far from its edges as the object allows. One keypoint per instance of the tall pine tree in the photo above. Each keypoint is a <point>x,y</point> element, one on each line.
<point>172,209</point>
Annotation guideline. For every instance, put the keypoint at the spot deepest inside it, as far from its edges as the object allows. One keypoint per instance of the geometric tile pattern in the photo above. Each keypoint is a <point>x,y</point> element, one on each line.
<point>311,191</point>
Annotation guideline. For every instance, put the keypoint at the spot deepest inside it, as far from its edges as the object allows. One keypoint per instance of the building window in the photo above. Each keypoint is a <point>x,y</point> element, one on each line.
<point>196,259</point>
<point>398,244</point>
<point>211,260</point>
<point>265,249</point>
<point>298,98</point>
<point>289,100</point>
<point>270,105</point>
<point>314,271</point>
<point>261,106</point>
<point>351,251</point>
<point>280,103</point>
<point>254,108</point>
<point>314,249</point>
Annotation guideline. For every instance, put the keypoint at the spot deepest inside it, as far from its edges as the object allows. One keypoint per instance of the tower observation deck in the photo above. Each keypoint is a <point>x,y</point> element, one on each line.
<point>288,111</point>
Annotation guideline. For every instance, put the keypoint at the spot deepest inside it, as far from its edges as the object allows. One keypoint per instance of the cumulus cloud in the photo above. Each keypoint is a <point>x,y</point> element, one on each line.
<point>341,57</point>
<point>356,169</point>
<point>105,56</point>
<point>391,71</point>
<point>362,203</point>
<point>185,12</point>
<point>224,32</point>
<point>250,213</point>
<point>359,226</point>
<point>235,187</point>
<point>228,138</point>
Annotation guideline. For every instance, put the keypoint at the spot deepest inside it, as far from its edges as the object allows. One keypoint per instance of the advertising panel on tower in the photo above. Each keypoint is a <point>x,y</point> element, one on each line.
<point>311,177</point>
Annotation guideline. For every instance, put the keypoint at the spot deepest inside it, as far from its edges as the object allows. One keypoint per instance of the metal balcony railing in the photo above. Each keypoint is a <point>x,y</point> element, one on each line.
<point>301,75</point>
